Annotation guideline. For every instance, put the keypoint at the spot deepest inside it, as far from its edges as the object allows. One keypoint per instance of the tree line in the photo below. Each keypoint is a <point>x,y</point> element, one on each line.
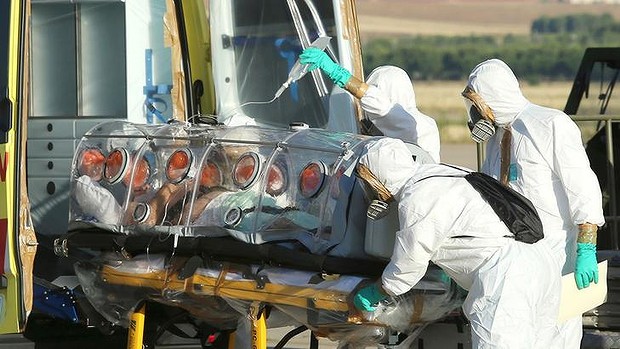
<point>552,50</point>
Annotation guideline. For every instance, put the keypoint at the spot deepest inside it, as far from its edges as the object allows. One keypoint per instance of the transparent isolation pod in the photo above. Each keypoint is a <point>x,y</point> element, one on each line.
<point>258,184</point>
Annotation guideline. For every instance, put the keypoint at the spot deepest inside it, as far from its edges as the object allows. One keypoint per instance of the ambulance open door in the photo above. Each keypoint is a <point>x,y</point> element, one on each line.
<point>17,240</point>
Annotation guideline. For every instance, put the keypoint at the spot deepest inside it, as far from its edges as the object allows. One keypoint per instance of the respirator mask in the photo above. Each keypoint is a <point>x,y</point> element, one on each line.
<point>481,127</point>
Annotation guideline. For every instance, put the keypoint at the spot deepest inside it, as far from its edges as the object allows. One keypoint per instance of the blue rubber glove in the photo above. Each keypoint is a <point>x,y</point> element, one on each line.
<point>586,266</point>
<point>367,298</point>
<point>319,59</point>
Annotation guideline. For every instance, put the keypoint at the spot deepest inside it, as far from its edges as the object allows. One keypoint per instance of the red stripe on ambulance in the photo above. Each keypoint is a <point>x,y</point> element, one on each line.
<point>3,165</point>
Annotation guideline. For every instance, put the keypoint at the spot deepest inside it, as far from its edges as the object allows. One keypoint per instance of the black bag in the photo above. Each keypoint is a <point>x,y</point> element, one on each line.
<point>514,209</point>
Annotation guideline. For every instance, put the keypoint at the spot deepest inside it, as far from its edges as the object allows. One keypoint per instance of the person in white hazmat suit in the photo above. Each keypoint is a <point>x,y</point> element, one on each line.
<point>538,152</point>
<point>513,287</point>
<point>387,98</point>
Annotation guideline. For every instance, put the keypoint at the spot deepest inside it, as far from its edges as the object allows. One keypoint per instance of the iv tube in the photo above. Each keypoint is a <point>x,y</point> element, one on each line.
<point>299,70</point>
<point>296,73</point>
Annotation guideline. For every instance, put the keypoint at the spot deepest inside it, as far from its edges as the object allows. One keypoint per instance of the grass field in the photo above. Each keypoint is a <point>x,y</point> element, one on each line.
<point>442,17</point>
<point>442,100</point>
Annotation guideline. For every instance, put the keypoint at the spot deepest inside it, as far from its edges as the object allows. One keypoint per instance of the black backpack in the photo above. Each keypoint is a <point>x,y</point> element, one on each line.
<point>514,209</point>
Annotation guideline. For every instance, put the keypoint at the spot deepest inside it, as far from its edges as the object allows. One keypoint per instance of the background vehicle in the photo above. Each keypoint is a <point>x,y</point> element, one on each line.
<point>597,114</point>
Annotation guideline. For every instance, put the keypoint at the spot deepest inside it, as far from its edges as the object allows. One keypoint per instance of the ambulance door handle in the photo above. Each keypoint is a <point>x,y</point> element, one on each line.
<point>6,112</point>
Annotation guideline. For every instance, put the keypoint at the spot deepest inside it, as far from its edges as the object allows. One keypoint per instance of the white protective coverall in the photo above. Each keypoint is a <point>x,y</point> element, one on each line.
<point>513,287</point>
<point>390,105</point>
<point>548,165</point>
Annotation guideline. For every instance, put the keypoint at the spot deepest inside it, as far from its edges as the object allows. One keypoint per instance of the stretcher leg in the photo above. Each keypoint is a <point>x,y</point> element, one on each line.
<point>259,326</point>
<point>136,328</point>
<point>231,340</point>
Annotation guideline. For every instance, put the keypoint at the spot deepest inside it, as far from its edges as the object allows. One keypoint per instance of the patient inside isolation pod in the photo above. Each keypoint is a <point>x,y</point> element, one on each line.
<point>239,209</point>
<point>206,197</point>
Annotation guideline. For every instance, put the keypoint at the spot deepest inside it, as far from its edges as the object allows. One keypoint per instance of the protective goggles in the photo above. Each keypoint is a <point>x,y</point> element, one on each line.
<point>480,116</point>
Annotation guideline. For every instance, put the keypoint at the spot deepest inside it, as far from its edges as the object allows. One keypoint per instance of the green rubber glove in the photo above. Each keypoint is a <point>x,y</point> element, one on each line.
<point>586,266</point>
<point>319,59</point>
<point>367,298</point>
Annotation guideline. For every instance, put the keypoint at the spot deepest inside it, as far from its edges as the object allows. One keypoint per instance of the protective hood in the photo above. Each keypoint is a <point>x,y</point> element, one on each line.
<point>495,82</point>
<point>390,104</point>
<point>395,84</point>
<point>391,162</point>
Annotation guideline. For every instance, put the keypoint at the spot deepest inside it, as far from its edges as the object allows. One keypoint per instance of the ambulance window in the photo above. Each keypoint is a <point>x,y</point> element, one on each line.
<point>78,59</point>
<point>266,44</point>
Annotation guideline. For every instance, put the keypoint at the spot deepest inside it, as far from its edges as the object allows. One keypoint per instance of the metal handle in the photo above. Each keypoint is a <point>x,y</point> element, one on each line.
<point>6,114</point>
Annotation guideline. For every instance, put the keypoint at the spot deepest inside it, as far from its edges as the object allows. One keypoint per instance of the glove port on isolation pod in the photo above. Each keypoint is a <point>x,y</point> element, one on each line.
<point>233,217</point>
<point>141,212</point>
